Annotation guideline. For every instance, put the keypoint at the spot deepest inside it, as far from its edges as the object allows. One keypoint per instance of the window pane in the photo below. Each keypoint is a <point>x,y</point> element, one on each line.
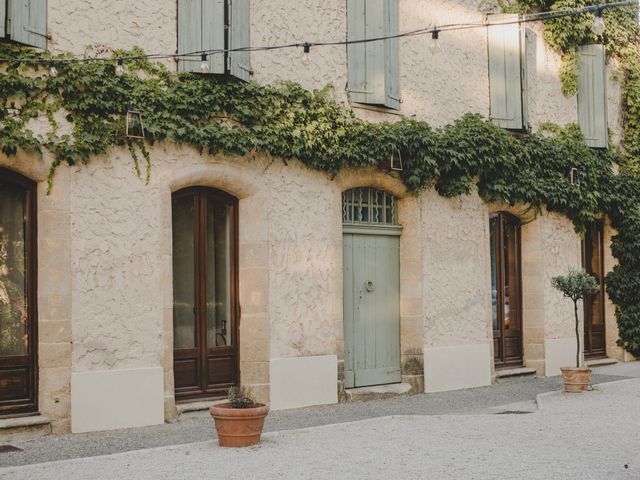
<point>13,270</point>
<point>369,206</point>
<point>594,248</point>
<point>184,315</point>
<point>510,276</point>
<point>494,271</point>
<point>218,274</point>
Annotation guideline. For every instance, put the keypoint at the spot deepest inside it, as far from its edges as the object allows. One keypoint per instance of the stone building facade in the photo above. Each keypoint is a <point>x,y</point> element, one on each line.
<point>105,240</point>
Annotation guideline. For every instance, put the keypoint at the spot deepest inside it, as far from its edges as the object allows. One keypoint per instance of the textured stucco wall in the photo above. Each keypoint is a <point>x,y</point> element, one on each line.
<point>455,242</point>
<point>115,273</point>
<point>561,246</point>
<point>428,82</point>
<point>305,262</point>
<point>105,285</point>
<point>106,25</point>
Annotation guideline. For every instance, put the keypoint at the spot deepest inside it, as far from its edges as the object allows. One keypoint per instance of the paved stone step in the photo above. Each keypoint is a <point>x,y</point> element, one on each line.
<point>514,373</point>
<point>377,392</point>
<point>601,362</point>
<point>24,428</point>
<point>197,406</point>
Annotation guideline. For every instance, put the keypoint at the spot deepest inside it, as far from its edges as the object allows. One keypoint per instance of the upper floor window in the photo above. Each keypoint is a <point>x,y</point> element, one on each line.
<point>507,72</point>
<point>373,67</point>
<point>24,21</point>
<point>592,95</point>
<point>206,25</point>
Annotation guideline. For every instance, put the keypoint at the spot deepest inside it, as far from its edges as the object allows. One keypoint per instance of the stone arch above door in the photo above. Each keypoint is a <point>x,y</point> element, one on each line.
<point>253,263</point>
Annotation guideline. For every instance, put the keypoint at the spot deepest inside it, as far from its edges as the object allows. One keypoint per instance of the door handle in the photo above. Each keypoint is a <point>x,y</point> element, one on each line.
<point>370,286</point>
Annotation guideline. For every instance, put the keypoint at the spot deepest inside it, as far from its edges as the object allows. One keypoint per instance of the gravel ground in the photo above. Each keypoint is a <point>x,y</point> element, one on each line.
<point>198,427</point>
<point>593,440</point>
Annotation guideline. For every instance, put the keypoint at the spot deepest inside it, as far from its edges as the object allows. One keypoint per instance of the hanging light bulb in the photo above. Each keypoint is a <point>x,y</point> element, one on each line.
<point>305,55</point>
<point>120,68</point>
<point>598,26</point>
<point>435,46</point>
<point>53,71</point>
<point>204,66</point>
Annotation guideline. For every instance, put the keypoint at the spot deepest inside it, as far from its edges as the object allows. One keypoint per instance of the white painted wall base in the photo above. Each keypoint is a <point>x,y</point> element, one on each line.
<point>452,368</point>
<point>303,381</point>
<point>110,399</point>
<point>560,352</point>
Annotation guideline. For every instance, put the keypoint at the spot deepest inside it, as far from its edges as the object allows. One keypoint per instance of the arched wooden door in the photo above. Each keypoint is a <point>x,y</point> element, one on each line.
<point>506,290</point>
<point>18,267</point>
<point>594,317</point>
<point>205,292</point>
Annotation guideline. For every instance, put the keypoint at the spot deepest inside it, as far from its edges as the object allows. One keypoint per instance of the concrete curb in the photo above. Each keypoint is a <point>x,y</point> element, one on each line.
<point>543,398</point>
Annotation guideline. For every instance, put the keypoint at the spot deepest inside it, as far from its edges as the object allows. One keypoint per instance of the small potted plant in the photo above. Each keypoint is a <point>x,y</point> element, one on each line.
<point>240,421</point>
<point>576,285</point>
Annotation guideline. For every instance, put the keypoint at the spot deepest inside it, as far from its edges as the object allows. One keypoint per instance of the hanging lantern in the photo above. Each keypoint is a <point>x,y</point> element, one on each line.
<point>395,160</point>
<point>574,176</point>
<point>134,128</point>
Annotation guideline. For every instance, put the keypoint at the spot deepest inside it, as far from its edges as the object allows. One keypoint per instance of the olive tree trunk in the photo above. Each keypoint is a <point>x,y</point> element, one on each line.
<point>575,310</point>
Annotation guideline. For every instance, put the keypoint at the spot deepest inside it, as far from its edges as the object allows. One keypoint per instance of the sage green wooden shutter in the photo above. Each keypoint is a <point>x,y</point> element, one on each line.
<point>240,65</point>
<point>592,95</point>
<point>392,99</point>
<point>3,18</point>
<point>375,52</point>
<point>506,72</point>
<point>356,53</point>
<point>28,20</point>
<point>373,73</point>
<point>201,27</point>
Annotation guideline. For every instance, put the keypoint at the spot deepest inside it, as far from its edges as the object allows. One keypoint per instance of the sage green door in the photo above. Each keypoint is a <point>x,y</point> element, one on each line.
<point>371,305</point>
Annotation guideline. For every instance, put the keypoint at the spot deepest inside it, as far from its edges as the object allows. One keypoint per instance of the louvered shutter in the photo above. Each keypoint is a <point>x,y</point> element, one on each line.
<point>592,95</point>
<point>28,19</point>
<point>375,52</point>
<point>373,69</point>
<point>201,27</point>
<point>392,99</point>
<point>506,72</point>
<point>356,53</point>
<point>240,65</point>
<point>3,18</point>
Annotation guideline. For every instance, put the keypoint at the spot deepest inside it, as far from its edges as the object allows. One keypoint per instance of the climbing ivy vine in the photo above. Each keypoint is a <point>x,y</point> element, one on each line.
<point>85,102</point>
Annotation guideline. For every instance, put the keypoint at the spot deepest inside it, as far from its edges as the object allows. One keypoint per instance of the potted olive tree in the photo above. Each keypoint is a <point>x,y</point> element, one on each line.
<point>240,421</point>
<point>576,285</point>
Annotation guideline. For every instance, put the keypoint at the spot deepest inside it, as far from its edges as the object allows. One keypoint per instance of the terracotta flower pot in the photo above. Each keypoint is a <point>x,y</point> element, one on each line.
<point>238,427</point>
<point>576,380</point>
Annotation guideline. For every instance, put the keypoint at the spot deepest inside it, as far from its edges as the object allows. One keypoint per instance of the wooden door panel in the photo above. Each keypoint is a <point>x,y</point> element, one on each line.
<point>372,310</point>
<point>15,383</point>
<point>349,302</point>
<point>205,300</point>
<point>594,311</point>
<point>220,371</point>
<point>512,346</point>
<point>186,373</point>
<point>18,281</point>
<point>506,290</point>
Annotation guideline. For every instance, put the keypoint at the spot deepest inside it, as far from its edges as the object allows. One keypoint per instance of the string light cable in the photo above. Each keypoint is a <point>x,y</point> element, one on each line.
<point>434,31</point>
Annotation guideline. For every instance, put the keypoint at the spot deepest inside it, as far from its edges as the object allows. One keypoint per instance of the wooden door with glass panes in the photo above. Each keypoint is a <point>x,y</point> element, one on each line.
<point>18,340</point>
<point>592,261</point>
<point>205,306</point>
<point>506,290</point>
